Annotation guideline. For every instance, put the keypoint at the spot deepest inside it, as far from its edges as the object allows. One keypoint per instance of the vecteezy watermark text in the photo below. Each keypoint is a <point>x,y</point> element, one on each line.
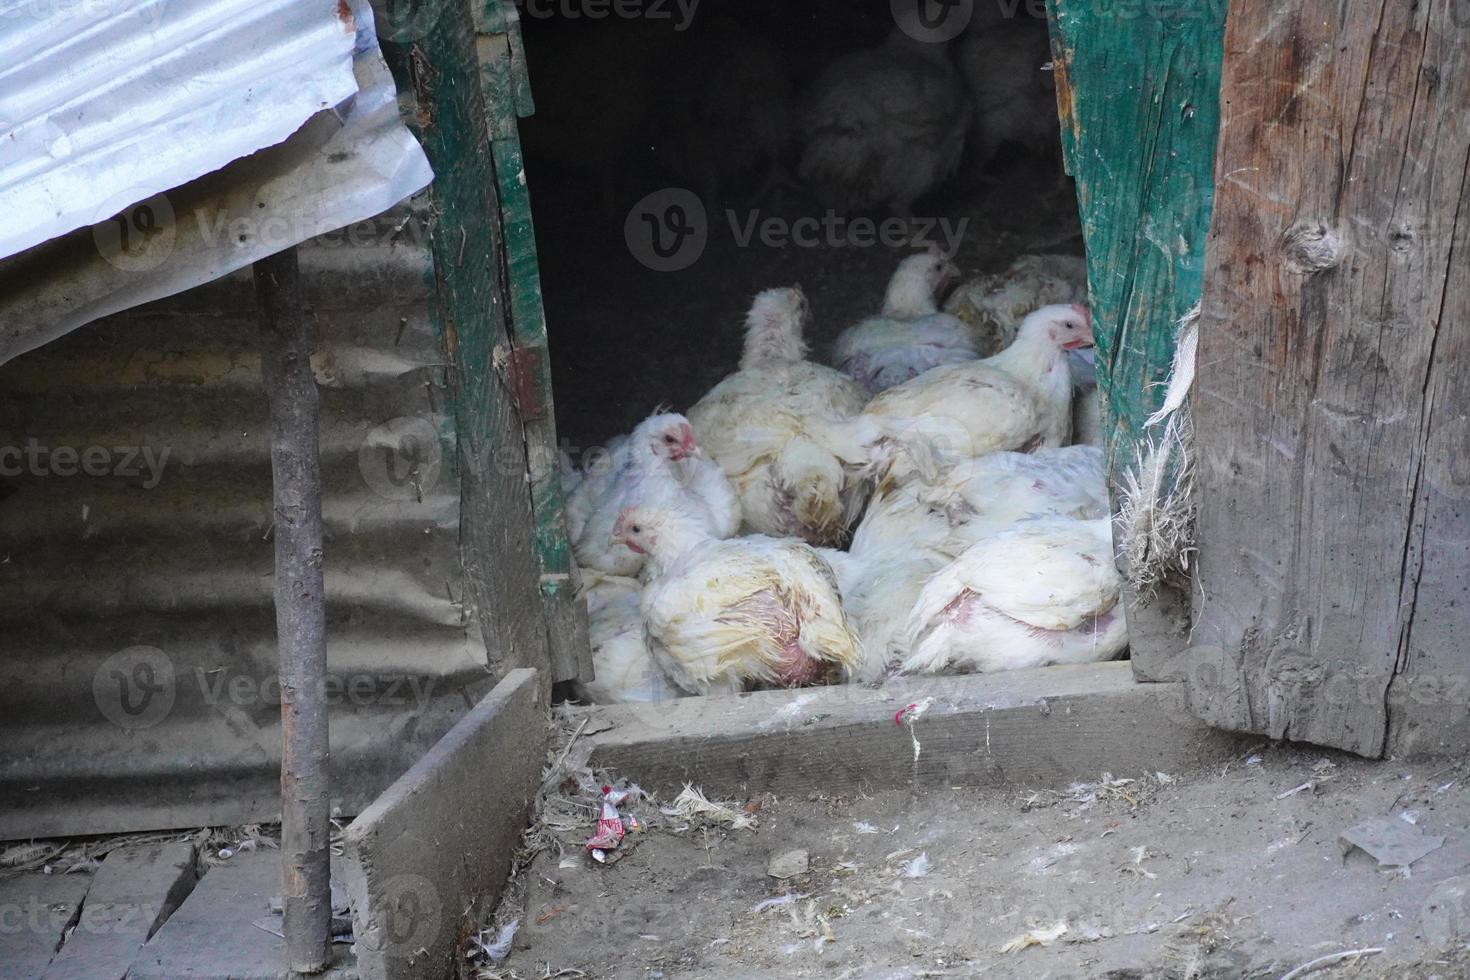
<point>129,462</point>
<point>833,230</point>
<point>138,688</point>
<point>668,230</point>
<point>683,10</point>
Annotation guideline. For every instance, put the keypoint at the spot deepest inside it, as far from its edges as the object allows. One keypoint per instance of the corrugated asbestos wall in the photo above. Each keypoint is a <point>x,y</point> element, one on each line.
<point>137,634</point>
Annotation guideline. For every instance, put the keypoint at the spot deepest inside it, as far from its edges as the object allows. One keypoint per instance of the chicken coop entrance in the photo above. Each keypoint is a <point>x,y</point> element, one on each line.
<point>680,167</point>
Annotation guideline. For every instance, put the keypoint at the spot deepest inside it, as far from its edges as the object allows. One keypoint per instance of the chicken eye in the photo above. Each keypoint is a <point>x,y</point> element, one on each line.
<point>670,439</point>
<point>637,529</point>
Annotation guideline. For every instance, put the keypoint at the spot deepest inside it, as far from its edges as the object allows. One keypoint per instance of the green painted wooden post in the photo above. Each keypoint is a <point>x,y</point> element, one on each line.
<point>507,91</point>
<point>435,50</point>
<point>1138,90</point>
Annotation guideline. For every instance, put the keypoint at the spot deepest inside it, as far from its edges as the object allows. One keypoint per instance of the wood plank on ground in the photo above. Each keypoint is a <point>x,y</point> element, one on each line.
<point>212,935</point>
<point>35,910</point>
<point>428,858</point>
<point>1047,727</point>
<point>132,895</point>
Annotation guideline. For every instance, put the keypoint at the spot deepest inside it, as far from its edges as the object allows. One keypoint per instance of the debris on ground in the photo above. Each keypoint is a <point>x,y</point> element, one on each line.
<point>1392,842</point>
<point>498,949</point>
<point>917,867</point>
<point>1332,959</point>
<point>610,829</point>
<point>1043,936</point>
<point>693,803</point>
<point>788,864</point>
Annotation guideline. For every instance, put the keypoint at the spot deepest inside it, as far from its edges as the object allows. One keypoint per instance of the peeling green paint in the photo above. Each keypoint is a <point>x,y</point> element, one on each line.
<point>1138,89</point>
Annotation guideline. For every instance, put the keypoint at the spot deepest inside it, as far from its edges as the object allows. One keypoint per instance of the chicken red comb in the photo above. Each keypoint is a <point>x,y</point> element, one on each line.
<point>1086,313</point>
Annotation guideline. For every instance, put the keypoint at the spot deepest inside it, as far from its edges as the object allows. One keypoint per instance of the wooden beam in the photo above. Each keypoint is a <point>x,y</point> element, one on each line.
<point>507,91</point>
<point>1138,94</point>
<point>474,316</point>
<point>1329,411</point>
<point>426,862</point>
<point>301,613</point>
<point>1047,727</point>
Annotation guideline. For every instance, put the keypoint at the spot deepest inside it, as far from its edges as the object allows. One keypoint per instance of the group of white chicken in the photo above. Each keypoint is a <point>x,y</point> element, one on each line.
<point>885,126</point>
<point>976,532</point>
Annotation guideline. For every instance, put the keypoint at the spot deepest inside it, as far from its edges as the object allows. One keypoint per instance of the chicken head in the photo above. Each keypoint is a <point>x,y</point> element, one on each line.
<point>668,436</point>
<point>1068,325</point>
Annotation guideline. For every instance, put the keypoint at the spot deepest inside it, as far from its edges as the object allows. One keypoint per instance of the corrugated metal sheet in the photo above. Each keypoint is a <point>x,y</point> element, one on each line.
<point>135,98</point>
<point>138,136</point>
<point>137,634</point>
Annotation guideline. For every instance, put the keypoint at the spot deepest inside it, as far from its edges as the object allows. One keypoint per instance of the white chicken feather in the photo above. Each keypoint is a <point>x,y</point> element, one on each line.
<point>1020,399</point>
<point>774,428</point>
<point>884,126</point>
<point>980,497</point>
<point>994,305</point>
<point>624,669</point>
<point>911,335</point>
<point>1041,593</point>
<point>663,467</point>
<point>721,614</point>
<point>1004,63</point>
<point>879,589</point>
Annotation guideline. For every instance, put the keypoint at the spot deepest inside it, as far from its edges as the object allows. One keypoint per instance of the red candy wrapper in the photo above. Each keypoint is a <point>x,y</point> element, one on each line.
<point>610,828</point>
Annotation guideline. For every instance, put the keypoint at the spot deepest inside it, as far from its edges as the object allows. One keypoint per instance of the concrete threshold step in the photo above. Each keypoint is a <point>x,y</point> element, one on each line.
<point>1047,727</point>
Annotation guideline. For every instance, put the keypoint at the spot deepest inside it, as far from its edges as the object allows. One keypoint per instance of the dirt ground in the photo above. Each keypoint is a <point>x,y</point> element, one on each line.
<point>1217,874</point>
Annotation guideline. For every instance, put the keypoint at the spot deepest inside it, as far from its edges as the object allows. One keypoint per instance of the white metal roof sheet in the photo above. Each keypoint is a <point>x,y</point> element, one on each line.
<point>217,131</point>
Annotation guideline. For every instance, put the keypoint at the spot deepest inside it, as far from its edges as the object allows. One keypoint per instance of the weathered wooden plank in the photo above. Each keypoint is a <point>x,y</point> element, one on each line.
<point>38,910</point>
<point>496,522</point>
<point>1138,94</point>
<point>134,892</point>
<point>427,860</point>
<point>503,78</point>
<point>213,936</point>
<point>1328,420</point>
<point>1046,727</point>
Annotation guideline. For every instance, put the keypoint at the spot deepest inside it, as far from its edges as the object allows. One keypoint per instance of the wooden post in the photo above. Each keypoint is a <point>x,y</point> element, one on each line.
<point>1330,407</point>
<point>1138,95</point>
<point>301,627</point>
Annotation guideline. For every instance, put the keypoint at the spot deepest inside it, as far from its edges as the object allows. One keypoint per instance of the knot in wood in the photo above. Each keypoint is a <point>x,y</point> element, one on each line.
<point>1309,247</point>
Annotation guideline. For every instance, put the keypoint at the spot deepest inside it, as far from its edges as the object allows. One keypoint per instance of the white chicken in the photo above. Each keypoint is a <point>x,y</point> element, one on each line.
<point>1004,63</point>
<point>624,668</point>
<point>994,305</point>
<point>1041,593</point>
<point>721,614</point>
<point>980,497</point>
<point>879,589</point>
<point>661,465</point>
<point>774,427</point>
<point>911,335</point>
<point>1020,399</point>
<point>883,127</point>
